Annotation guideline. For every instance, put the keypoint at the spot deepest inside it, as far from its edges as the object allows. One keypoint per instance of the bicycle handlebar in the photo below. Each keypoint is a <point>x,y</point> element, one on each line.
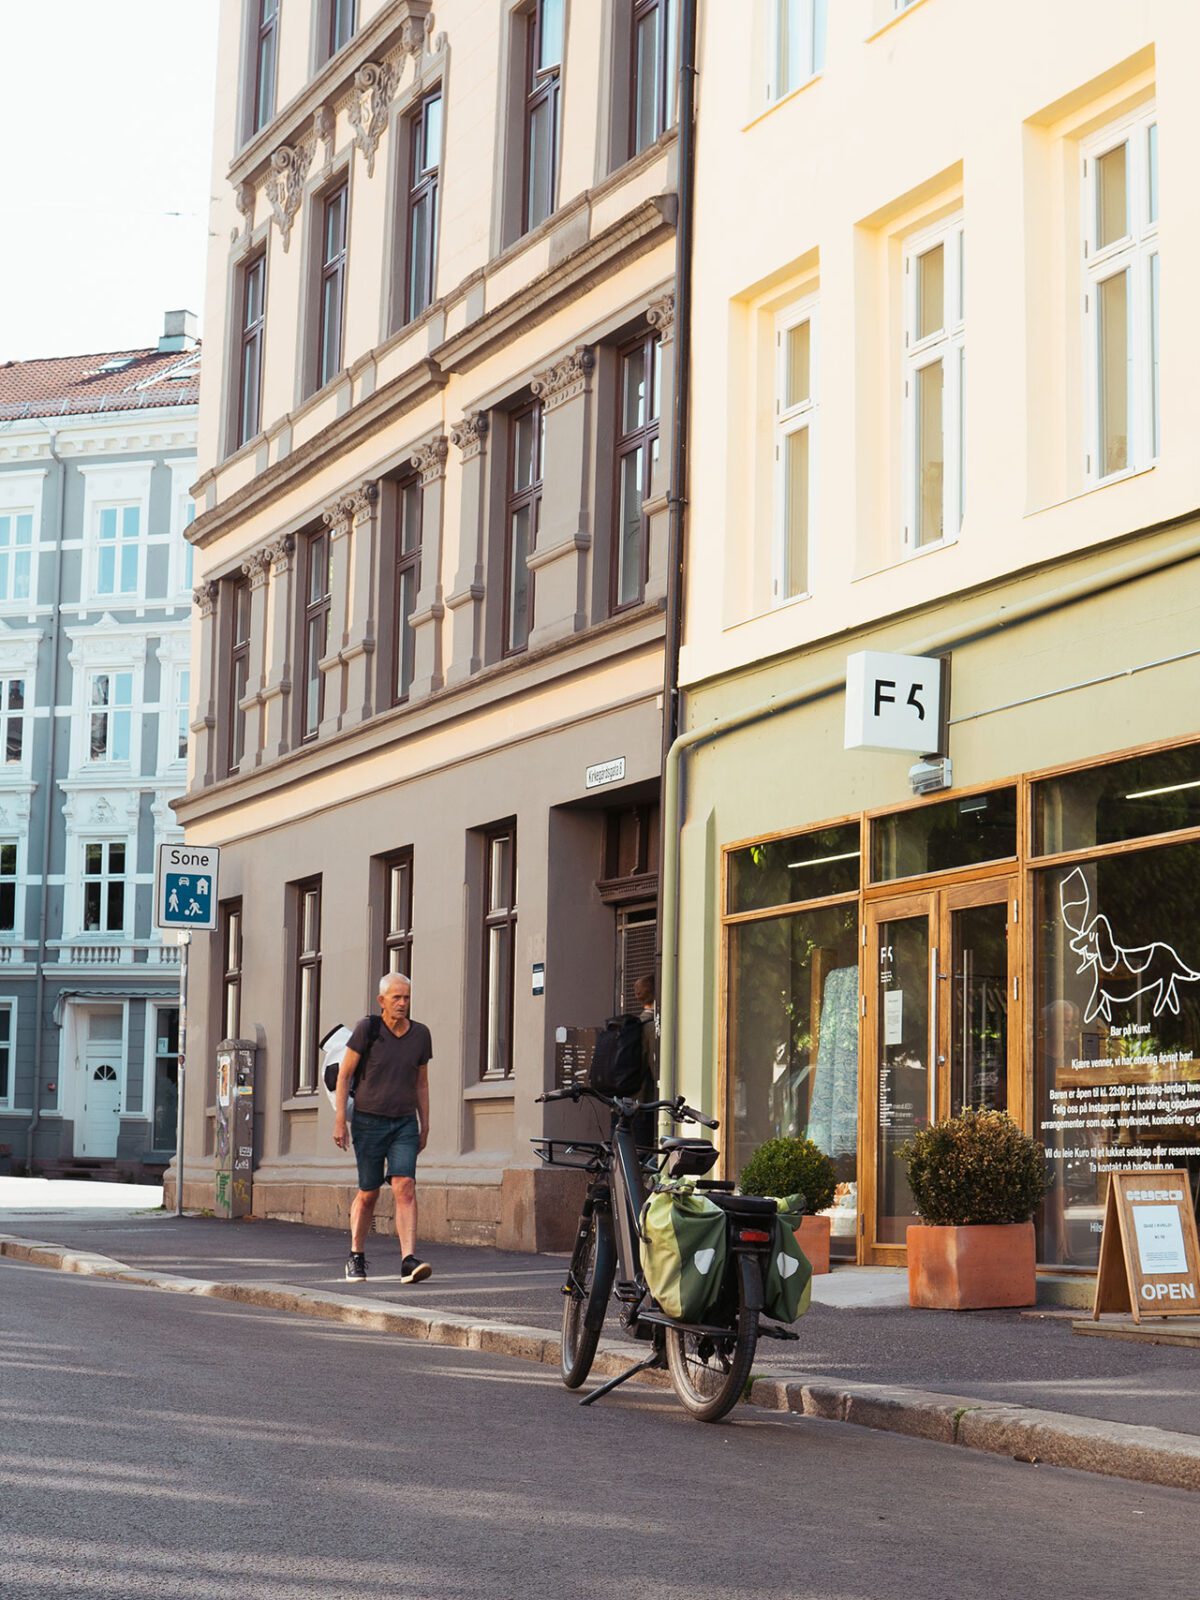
<point>677,1109</point>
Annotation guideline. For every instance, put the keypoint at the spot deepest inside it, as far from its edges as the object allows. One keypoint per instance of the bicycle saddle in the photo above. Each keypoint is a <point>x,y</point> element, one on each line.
<point>743,1205</point>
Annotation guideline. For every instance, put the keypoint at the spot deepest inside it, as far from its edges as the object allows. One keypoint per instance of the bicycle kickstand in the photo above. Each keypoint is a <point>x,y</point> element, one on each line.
<point>655,1360</point>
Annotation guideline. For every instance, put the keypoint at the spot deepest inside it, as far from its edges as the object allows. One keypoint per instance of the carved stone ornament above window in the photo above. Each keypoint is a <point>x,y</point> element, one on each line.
<point>416,26</point>
<point>325,129</point>
<point>471,433</point>
<point>205,598</point>
<point>430,459</point>
<point>565,379</point>
<point>257,567</point>
<point>245,196</point>
<point>660,314</point>
<point>285,186</point>
<point>280,551</point>
<point>350,509</point>
<point>374,86</point>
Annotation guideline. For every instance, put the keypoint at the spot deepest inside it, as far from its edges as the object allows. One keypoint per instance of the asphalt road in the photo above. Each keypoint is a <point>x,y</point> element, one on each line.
<point>154,1445</point>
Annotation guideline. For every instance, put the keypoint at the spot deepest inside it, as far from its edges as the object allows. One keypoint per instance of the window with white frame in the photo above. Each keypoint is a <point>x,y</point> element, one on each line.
<point>110,715</point>
<point>1121,304</point>
<point>797,44</point>
<point>8,885</point>
<point>795,441</point>
<point>934,373</point>
<point>12,721</point>
<point>16,555</point>
<point>185,556</point>
<point>6,1052</point>
<point>104,886</point>
<point>179,716</point>
<point>118,549</point>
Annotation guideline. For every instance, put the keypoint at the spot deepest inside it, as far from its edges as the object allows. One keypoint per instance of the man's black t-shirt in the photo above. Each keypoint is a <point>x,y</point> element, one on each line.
<point>387,1079</point>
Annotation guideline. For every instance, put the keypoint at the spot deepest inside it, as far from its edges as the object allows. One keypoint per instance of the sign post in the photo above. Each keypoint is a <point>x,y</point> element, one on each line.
<point>185,900</point>
<point>1149,1256</point>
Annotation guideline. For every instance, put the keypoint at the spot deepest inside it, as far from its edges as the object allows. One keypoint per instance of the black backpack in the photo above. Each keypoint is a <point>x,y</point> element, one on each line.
<point>617,1066</point>
<point>332,1068</point>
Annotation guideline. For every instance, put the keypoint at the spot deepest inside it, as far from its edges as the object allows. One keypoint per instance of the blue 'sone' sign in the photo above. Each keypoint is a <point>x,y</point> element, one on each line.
<point>185,888</point>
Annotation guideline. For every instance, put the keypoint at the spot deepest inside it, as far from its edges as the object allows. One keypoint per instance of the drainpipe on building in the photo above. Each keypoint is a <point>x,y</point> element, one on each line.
<point>1184,549</point>
<point>48,810</point>
<point>677,489</point>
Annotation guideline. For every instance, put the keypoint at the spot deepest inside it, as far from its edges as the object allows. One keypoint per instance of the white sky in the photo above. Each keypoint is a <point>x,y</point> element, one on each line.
<point>108,110</point>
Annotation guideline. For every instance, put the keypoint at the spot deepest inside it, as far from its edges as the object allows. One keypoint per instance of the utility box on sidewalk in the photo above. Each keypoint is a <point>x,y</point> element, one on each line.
<point>235,1127</point>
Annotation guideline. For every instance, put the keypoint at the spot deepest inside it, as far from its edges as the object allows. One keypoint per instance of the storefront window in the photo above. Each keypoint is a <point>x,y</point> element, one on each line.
<point>1155,793</point>
<point>1117,1028</point>
<point>807,866</point>
<point>166,1077</point>
<point>793,1042</point>
<point>947,834</point>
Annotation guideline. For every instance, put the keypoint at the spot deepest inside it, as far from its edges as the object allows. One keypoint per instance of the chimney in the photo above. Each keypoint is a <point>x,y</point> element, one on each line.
<point>179,332</point>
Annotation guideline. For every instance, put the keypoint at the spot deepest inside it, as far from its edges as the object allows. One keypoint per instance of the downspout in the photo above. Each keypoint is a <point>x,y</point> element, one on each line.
<point>1184,549</point>
<point>51,800</point>
<point>677,488</point>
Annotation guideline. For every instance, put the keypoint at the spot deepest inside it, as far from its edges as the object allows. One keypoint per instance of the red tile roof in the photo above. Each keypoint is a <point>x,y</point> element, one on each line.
<point>61,386</point>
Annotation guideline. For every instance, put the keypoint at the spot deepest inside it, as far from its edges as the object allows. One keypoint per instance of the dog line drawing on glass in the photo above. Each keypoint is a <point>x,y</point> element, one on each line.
<point>1119,973</point>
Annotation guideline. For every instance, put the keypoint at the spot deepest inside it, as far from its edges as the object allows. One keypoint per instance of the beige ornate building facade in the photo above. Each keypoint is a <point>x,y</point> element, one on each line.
<point>431,556</point>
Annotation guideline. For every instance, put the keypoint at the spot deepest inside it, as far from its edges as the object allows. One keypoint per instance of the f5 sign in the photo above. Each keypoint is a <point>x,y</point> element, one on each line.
<point>893,702</point>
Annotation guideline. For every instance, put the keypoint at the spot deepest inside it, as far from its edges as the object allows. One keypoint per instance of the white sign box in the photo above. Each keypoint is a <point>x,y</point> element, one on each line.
<point>605,772</point>
<point>893,702</point>
<point>185,887</point>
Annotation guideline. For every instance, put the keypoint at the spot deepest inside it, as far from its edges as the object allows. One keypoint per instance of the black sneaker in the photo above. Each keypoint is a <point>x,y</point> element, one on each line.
<point>356,1267</point>
<point>413,1270</point>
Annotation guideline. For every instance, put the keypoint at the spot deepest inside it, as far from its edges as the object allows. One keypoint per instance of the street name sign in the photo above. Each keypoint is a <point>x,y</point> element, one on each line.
<point>185,887</point>
<point>1149,1256</point>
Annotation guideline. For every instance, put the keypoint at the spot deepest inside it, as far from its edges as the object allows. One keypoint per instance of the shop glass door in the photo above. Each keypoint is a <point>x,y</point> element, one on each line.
<point>940,1023</point>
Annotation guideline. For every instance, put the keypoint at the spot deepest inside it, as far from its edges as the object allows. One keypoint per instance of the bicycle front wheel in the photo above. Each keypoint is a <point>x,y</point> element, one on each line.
<point>589,1286</point>
<point>708,1372</point>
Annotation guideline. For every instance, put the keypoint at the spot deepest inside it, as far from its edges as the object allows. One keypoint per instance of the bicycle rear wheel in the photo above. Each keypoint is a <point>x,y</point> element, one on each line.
<point>708,1373</point>
<point>590,1284</point>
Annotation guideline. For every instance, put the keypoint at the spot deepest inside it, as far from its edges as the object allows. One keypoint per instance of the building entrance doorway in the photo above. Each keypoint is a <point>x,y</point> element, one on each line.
<point>941,1031</point>
<point>98,1122</point>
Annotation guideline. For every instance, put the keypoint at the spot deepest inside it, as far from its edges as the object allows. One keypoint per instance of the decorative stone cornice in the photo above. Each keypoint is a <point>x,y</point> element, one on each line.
<point>285,186</point>
<point>565,379</point>
<point>660,314</point>
<point>257,567</point>
<point>429,459</point>
<point>325,129</point>
<point>245,196</point>
<point>205,598</point>
<point>374,86</point>
<point>279,552</point>
<point>470,435</point>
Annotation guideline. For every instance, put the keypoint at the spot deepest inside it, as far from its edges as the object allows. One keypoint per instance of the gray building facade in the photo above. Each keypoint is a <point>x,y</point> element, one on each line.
<point>97,458</point>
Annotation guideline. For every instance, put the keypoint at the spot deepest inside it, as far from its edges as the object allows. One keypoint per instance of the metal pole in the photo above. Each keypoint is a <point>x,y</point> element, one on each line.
<point>185,940</point>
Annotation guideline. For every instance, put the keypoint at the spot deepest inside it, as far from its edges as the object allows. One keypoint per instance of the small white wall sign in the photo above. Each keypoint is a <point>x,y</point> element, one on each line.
<point>604,772</point>
<point>893,702</point>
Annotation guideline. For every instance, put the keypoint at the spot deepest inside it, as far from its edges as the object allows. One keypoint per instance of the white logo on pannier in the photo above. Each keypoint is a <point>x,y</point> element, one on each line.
<point>786,1264</point>
<point>703,1259</point>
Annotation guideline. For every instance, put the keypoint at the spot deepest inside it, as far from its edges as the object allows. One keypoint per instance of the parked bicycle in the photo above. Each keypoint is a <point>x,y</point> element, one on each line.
<point>708,1362</point>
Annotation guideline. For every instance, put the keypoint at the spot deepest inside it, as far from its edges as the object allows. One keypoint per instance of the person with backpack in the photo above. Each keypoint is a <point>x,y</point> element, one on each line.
<point>386,1069</point>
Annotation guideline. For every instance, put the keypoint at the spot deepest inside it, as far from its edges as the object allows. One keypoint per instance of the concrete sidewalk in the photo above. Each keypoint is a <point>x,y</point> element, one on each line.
<point>1008,1382</point>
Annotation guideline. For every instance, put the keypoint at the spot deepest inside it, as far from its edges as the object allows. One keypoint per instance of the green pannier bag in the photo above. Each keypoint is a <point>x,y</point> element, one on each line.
<point>788,1283</point>
<point>683,1252</point>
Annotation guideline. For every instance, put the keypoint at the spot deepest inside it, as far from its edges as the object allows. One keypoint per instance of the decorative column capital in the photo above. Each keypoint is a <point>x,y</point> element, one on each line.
<point>279,552</point>
<point>351,508</point>
<point>374,85</point>
<point>245,196</point>
<point>205,598</point>
<point>324,129</point>
<point>429,459</point>
<point>257,567</point>
<point>285,186</point>
<point>470,435</point>
<point>564,379</point>
<point>415,26</point>
<point>660,314</point>
<point>363,501</point>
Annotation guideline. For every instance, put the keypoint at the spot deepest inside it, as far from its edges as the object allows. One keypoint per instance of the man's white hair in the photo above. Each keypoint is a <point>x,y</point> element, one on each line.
<point>390,979</point>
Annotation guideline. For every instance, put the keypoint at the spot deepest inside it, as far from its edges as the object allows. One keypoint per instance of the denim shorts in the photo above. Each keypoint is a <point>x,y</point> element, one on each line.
<point>377,1140</point>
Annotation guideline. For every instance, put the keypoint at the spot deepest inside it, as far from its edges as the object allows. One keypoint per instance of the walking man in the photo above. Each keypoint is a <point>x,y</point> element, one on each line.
<point>390,1125</point>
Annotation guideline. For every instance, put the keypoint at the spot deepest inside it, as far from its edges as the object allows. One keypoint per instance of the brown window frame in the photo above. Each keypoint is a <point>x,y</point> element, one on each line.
<point>315,609</point>
<point>505,919</point>
<point>331,284</point>
<point>251,343</point>
<point>339,11</point>
<point>527,497</point>
<point>266,50</point>
<point>231,964</point>
<point>239,670</point>
<point>397,946</point>
<point>423,193</point>
<point>664,11</point>
<point>407,566</point>
<point>644,437</point>
<point>308,960</point>
<point>542,87</point>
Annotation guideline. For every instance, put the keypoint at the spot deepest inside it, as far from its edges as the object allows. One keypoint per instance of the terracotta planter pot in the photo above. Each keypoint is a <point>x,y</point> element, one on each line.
<point>972,1269</point>
<point>813,1238</point>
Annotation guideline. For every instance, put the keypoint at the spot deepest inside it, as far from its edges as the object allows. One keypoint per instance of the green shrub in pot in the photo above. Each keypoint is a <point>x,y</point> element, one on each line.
<point>791,1166</point>
<point>978,1167</point>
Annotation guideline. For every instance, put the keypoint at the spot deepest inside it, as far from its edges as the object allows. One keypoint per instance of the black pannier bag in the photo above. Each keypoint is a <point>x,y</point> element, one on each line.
<point>617,1066</point>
